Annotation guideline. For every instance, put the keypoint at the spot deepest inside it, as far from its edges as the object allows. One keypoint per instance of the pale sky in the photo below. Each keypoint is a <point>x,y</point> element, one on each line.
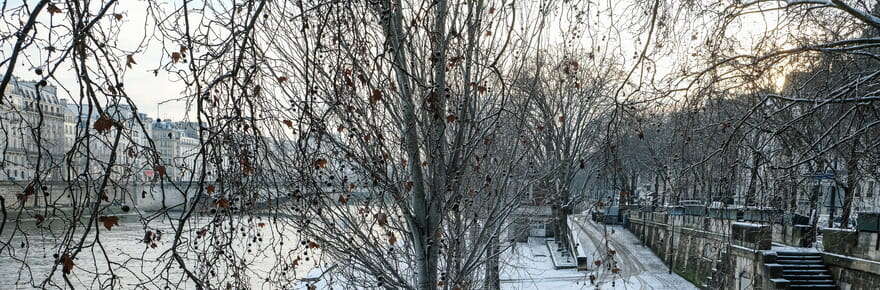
<point>145,89</point>
<point>148,90</point>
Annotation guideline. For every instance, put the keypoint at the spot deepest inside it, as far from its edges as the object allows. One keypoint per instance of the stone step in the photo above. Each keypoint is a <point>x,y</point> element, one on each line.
<point>801,270</point>
<point>806,276</point>
<point>810,282</point>
<point>810,259</point>
<point>814,286</point>
<point>797,255</point>
<point>804,271</point>
<point>802,266</point>
<point>786,261</point>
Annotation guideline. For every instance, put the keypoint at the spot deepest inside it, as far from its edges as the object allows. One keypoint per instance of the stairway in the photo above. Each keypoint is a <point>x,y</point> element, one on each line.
<point>798,270</point>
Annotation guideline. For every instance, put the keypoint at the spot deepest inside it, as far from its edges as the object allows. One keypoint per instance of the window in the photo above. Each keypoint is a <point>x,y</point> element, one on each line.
<point>870,191</point>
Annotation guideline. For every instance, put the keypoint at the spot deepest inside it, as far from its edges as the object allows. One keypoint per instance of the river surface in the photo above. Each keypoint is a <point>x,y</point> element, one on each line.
<point>28,259</point>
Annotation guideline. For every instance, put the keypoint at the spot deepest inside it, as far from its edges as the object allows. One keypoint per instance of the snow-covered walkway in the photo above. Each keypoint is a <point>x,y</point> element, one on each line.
<point>638,267</point>
<point>528,265</point>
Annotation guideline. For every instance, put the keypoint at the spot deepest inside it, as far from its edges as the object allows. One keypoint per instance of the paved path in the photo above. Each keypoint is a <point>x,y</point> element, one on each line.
<point>639,267</point>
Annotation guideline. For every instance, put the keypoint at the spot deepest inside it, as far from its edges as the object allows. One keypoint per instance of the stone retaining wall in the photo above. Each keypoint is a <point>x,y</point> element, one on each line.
<point>695,245</point>
<point>853,257</point>
<point>144,196</point>
<point>687,244</point>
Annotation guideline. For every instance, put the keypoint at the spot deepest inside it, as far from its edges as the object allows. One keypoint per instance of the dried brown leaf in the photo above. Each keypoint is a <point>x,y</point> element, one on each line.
<point>376,96</point>
<point>66,263</point>
<point>382,219</point>
<point>391,238</point>
<point>129,61</point>
<point>53,9</point>
<point>222,203</point>
<point>103,124</point>
<point>109,221</point>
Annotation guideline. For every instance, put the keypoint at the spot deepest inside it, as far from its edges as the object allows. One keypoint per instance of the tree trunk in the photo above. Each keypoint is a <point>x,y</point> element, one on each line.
<point>852,178</point>
<point>814,216</point>
<point>493,278</point>
<point>423,221</point>
<point>753,179</point>
<point>656,189</point>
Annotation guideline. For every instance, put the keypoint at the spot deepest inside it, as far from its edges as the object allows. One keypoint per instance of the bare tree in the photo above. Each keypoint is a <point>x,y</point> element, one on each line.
<point>381,131</point>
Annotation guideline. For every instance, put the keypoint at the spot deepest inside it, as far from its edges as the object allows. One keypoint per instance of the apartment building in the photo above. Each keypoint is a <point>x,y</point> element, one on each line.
<point>32,126</point>
<point>41,131</point>
<point>178,147</point>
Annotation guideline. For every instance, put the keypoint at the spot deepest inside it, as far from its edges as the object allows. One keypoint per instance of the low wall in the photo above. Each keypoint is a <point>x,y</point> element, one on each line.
<point>49,193</point>
<point>853,273</point>
<point>690,245</point>
<point>795,236</point>
<point>746,270</point>
<point>695,245</point>
<point>144,196</point>
<point>851,243</point>
<point>853,257</point>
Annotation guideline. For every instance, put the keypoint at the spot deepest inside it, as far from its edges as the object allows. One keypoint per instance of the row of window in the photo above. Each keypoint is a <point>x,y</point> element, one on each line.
<point>17,174</point>
<point>869,188</point>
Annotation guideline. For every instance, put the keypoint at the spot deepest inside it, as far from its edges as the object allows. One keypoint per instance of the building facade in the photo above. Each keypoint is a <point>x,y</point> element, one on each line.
<point>32,132</point>
<point>47,139</point>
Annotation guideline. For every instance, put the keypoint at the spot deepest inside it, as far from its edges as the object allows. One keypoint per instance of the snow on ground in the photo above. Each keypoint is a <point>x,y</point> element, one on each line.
<point>639,267</point>
<point>783,248</point>
<point>528,265</point>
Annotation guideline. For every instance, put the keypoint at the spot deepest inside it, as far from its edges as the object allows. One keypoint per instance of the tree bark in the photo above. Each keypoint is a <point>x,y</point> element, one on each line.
<point>852,178</point>
<point>422,224</point>
<point>753,178</point>
<point>493,279</point>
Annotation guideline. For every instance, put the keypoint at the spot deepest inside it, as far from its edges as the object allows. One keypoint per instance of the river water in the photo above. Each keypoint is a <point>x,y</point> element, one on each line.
<point>28,260</point>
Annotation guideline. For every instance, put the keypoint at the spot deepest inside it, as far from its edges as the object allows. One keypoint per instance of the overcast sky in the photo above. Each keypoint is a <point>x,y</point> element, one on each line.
<point>148,90</point>
<point>145,88</point>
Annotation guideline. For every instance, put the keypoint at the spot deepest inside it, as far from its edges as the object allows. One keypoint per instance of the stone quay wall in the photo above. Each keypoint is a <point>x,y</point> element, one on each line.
<point>727,250</point>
